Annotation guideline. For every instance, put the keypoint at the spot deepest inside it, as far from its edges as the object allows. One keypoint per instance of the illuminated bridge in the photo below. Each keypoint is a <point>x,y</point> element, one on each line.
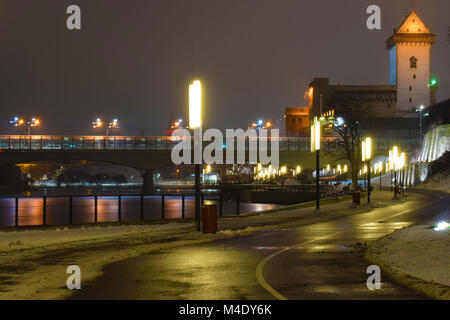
<point>153,152</point>
<point>160,143</point>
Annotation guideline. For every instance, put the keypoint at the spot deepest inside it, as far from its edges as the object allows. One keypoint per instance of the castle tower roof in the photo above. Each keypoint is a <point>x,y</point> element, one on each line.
<point>412,30</point>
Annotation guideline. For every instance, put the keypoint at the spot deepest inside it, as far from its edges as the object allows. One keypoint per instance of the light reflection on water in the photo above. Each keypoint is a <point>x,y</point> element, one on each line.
<point>83,209</point>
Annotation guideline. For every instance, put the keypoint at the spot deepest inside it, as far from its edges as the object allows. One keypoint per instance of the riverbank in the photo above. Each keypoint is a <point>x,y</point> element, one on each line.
<point>417,257</point>
<point>33,262</point>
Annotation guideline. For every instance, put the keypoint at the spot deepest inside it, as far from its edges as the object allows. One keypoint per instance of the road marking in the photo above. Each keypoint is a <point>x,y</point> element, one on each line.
<point>425,205</point>
<point>259,268</point>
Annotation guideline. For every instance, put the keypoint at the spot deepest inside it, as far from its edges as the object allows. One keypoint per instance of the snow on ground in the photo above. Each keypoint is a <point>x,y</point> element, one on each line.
<point>437,182</point>
<point>33,261</point>
<point>417,257</point>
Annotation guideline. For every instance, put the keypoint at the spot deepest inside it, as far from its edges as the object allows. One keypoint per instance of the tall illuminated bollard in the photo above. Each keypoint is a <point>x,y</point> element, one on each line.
<point>195,123</point>
<point>393,160</point>
<point>315,147</point>
<point>366,151</point>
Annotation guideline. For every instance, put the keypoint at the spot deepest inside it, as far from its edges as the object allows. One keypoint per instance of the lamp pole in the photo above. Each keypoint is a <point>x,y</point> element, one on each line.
<point>420,119</point>
<point>380,175</point>
<point>195,123</point>
<point>366,152</point>
<point>315,147</point>
<point>368,181</point>
<point>317,179</point>
<point>395,183</point>
<point>394,157</point>
<point>197,197</point>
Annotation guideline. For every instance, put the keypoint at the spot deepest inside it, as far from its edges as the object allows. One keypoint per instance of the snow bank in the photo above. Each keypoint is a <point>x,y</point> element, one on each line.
<point>417,257</point>
<point>438,182</point>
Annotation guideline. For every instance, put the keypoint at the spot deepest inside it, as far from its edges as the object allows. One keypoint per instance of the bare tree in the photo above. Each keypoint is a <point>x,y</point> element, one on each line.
<point>99,179</point>
<point>119,179</point>
<point>348,131</point>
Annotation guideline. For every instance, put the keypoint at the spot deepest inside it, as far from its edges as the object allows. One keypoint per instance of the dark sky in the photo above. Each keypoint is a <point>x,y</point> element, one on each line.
<point>134,59</point>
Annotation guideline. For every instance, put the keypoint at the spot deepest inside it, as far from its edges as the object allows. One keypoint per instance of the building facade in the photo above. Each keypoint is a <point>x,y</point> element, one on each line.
<point>297,121</point>
<point>410,65</point>
<point>410,78</point>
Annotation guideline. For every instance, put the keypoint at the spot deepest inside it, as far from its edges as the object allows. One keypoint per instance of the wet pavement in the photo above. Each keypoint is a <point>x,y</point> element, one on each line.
<point>317,261</point>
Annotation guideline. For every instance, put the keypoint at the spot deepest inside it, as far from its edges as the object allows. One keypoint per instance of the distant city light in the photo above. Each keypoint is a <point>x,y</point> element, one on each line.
<point>433,82</point>
<point>442,226</point>
<point>16,121</point>
<point>339,121</point>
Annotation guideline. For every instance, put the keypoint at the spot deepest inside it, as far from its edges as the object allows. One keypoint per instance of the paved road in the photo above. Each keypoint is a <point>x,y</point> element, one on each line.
<point>319,261</point>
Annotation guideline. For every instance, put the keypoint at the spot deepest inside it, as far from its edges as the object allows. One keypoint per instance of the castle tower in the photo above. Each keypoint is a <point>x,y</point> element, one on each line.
<point>410,63</point>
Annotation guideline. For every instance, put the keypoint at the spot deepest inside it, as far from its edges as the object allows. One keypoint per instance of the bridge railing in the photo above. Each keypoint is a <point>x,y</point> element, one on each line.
<point>166,143</point>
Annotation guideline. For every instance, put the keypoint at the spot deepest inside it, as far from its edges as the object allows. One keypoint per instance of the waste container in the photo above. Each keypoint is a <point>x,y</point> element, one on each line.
<point>357,198</point>
<point>209,218</point>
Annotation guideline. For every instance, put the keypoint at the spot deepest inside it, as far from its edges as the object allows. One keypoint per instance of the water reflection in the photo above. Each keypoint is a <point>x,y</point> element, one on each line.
<point>31,210</point>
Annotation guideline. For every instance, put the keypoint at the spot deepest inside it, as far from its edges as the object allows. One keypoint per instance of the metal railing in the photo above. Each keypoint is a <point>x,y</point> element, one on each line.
<point>166,143</point>
<point>62,210</point>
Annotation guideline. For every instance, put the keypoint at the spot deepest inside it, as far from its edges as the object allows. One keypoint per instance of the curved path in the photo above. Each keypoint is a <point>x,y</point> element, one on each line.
<point>317,261</point>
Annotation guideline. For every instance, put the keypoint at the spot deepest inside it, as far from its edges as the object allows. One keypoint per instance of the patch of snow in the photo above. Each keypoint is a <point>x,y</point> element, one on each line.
<point>418,257</point>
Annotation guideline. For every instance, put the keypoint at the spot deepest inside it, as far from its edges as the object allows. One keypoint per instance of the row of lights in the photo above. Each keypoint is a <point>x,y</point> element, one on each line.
<point>34,122</point>
<point>397,161</point>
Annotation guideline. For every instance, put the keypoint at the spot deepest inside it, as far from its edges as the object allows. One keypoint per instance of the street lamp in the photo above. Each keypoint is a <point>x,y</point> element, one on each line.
<point>401,165</point>
<point>380,169</point>
<point>18,122</point>
<point>420,109</point>
<point>393,165</point>
<point>98,123</point>
<point>366,156</point>
<point>328,173</point>
<point>195,123</point>
<point>315,147</point>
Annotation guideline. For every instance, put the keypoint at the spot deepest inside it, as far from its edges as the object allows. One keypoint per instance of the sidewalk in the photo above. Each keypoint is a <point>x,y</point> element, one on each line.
<point>33,262</point>
<point>418,257</point>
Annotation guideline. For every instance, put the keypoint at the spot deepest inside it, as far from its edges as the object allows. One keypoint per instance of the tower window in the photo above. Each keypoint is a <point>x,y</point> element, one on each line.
<point>413,63</point>
<point>414,76</point>
<point>410,100</point>
<point>410,88</point>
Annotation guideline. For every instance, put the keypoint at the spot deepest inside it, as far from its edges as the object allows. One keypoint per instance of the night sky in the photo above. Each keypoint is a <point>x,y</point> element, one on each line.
<point>134,59</point>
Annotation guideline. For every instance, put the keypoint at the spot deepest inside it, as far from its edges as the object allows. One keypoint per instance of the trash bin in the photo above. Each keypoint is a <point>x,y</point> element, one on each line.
<point>357,198</point>
<point>209,218</point>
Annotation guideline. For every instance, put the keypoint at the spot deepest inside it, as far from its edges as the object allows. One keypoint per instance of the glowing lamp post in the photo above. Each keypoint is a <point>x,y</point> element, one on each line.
<point>195,123</point>
<point>366,151</point>
<point>420,109</point>
<point>99,123</point>
<point>18,122</point>
<point>315,147</point>
<point>393,165</point>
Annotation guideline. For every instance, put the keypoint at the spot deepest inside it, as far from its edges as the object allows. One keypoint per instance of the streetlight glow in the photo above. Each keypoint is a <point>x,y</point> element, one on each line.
<point>315,135</point>
<point>195,105</point>
<point>366,149</point>
<point>366,152</point>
